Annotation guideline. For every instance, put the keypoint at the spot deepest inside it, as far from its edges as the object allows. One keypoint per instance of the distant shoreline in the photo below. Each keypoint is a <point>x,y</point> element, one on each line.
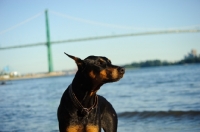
<point>34,76</point>
<point>153,63</point>
<point>145,64</point>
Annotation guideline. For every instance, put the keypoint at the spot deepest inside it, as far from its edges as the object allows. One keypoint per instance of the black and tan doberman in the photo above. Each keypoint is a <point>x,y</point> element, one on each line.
<point>81,109</point>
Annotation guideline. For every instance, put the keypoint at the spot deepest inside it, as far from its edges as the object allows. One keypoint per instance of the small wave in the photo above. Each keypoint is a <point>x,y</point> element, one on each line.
<point>158,114</point>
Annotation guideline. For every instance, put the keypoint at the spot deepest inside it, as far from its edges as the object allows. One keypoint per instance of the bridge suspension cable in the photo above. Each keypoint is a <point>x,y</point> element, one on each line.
<point>48,43</point>
<point>20,24</point>
<point>126,35</point>
<point>106,37</point>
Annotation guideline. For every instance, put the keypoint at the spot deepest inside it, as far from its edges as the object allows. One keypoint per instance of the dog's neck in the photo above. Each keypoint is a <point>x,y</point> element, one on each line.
<point>84,89</point>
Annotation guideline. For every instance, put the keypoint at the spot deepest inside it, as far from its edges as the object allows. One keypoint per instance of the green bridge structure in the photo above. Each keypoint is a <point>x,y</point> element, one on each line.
<point>48,42</point>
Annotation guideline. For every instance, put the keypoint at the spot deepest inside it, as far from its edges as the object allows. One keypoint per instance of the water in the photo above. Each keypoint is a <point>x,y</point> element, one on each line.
<point>159,99</point>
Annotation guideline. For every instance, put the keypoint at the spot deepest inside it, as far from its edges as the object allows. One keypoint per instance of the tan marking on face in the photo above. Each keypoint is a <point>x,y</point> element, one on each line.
<point>114,73</point>
<point>75,128</point>
<point>92,128</point>
<point>92,75</point>
<point>103,74</point>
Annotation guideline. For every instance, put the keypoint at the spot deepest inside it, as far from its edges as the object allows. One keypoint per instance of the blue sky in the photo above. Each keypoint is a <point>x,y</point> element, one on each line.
<point>79,19</point>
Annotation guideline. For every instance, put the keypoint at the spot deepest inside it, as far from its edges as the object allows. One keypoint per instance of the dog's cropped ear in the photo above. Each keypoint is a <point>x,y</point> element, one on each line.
<point>80,63</point>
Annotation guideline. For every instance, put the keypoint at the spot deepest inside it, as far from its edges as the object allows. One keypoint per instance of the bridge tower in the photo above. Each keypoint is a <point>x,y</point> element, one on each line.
<point>49,54</point>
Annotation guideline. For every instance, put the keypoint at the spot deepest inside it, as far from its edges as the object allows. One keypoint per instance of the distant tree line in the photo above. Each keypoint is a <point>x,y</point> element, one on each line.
<point>151,63</point>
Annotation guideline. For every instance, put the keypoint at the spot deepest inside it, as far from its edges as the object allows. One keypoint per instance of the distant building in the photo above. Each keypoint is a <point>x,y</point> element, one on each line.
<point>14,74</point>
<point>6,73</point>
<point>191,55</point>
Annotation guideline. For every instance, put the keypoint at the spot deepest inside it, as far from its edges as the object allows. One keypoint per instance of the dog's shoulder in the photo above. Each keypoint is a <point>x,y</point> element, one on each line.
<point>104,104</point>
<point>102,100</point>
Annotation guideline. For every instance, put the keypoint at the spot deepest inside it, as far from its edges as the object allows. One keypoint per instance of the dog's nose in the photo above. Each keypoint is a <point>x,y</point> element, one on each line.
<point>121,70</point>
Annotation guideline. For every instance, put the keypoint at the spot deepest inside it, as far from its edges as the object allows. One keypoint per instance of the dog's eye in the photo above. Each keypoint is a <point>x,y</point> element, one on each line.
<point>100,63</point>
<point>97,63</point>
<point>103,64</point>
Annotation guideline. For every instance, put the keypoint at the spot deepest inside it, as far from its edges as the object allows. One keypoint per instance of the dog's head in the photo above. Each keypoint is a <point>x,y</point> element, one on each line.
<point>98,69</point>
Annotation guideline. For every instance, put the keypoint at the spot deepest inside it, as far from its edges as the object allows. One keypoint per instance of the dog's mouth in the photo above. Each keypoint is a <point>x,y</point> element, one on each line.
<point>119,77</point>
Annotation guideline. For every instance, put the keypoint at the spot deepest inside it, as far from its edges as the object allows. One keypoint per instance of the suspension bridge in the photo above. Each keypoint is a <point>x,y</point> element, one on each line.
<point>48,42</point>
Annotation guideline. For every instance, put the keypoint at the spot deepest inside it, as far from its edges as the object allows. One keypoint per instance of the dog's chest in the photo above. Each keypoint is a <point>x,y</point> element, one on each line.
<point>87,123</point>
<point>81,128</point>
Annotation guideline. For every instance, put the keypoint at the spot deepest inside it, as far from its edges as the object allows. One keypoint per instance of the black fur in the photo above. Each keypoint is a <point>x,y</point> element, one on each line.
<point>93,72</point>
